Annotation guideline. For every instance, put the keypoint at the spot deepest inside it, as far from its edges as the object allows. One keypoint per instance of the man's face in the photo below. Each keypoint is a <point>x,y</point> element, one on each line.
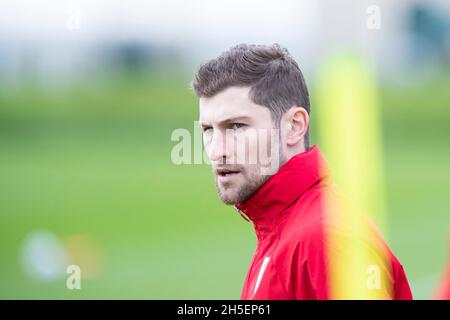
<point>239,140</point>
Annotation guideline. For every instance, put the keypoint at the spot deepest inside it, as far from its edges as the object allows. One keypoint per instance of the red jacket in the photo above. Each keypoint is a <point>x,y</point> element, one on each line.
<point>291,258</point>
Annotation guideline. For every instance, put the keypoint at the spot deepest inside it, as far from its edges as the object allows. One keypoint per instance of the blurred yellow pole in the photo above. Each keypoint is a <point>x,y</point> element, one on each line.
<point>349,135</point>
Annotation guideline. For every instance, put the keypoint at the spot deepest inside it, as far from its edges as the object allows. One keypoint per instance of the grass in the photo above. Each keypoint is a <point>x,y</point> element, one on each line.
<point>160,228</point>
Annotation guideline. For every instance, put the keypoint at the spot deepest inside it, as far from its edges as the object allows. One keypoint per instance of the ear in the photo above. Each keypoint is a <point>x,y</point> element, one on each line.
<point>297,122</point>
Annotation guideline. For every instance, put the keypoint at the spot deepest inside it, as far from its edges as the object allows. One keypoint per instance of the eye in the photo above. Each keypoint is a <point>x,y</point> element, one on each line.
<point>206,129</point>
<point>238,125</point>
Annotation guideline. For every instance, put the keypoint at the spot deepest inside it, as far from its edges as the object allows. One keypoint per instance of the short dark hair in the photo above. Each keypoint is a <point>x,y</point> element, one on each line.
<point>274,78</point>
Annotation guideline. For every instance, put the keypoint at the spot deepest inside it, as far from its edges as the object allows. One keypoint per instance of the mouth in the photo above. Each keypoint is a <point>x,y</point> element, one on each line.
<point>226,174</point>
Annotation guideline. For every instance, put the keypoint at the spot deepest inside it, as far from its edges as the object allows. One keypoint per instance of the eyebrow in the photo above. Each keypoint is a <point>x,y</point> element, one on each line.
<point>228,120</point>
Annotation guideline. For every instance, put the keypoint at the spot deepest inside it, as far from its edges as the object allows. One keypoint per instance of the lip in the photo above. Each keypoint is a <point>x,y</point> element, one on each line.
<point>225,175</point>
<point>228,177</point>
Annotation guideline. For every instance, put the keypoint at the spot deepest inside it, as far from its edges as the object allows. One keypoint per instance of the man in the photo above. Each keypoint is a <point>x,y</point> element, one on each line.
<point>252,94</point>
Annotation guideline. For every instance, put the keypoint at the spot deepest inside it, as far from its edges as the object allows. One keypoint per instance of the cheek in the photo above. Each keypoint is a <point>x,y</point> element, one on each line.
<point>251,173</point>
<point>255,146</point>
<point>207,142</point>
<point>264,146</point>
<point>247,146</point>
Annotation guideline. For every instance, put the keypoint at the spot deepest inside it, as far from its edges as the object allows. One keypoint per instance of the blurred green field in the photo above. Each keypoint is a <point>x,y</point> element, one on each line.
<point>95,160</point>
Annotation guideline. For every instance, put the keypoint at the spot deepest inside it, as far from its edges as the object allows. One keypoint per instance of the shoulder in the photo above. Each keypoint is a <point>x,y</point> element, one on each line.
<point>305,222</point>
<point>322,223</point>
<point>301,235</point>
<point>319,231</point>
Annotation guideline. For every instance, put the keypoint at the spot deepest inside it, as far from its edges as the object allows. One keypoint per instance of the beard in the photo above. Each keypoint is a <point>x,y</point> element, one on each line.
<point>231,194</point>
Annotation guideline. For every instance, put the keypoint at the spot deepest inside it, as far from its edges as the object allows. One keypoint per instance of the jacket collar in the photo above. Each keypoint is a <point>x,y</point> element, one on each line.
<point>296,176</point>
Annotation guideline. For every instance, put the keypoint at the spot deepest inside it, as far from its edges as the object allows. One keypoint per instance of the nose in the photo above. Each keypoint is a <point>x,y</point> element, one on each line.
<point>219,149</point>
